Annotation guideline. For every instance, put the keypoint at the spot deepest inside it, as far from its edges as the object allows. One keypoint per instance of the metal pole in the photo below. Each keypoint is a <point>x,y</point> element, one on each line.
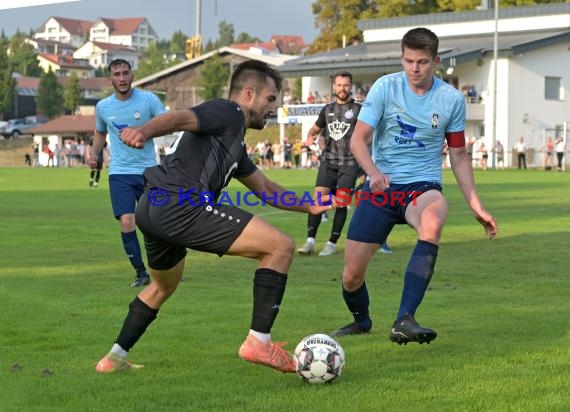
<point>198,19</point>
<point>495,55</point>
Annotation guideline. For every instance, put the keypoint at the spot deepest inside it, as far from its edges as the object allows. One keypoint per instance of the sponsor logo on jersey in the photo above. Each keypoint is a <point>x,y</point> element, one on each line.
<point>407,135</point>
<point>137,115</point>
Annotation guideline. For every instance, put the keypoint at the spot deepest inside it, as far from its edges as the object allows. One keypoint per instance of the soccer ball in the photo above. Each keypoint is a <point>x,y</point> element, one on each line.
<point>318,358</point>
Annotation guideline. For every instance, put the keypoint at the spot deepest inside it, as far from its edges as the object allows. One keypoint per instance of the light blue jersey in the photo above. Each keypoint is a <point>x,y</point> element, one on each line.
<point>409,130</point>
<point>113,115</point>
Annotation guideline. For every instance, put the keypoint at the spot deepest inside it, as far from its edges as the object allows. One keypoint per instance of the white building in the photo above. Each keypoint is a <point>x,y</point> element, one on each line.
<point>132,32</point>
<point>101,54</point>
<point>532,75</point>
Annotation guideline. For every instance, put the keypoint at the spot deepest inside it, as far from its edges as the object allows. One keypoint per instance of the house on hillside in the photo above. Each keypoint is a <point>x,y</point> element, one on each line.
<point>178,84</point>
<point>101,54</point>
<point>65,65</point>
<point>134,32</point>
<point>51,47</point>
<point>291,45</point>
<point>532,78</point>
<point>64,30</point>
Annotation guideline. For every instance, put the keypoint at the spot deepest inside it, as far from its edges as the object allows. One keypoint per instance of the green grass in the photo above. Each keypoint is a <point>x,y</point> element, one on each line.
<point>500,308</point>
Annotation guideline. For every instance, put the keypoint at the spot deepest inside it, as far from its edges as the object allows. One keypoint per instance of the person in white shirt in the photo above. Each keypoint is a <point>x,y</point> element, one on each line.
<point>560,148</point>
<point>521,149</point>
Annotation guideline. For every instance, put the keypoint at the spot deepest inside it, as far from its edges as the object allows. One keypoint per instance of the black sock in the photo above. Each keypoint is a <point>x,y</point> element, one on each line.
<point>358,303</point>
<point>97,175</point>
<point>139,317</point>
<point>268,290</point>
<point>313,222</point>
<point>338,223</point>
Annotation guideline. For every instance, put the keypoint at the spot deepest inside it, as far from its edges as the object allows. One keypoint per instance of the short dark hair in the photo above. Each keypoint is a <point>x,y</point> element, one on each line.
<point>421,38</point>
<point>118,62</point>
<point>342,74</point>
<point>253,69</point>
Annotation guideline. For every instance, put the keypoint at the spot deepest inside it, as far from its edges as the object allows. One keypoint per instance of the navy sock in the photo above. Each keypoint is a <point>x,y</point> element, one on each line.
<point>133,250</point>
<point>418,275</point>
<point>139,317</point>
<point>268,291</point>
<point>358,303</point>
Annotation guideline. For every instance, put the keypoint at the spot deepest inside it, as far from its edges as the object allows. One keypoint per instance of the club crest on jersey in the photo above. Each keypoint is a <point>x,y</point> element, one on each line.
<point>434,120</point>
<point>137,115</point>
<point>349,114</point>
<point>337,130</point>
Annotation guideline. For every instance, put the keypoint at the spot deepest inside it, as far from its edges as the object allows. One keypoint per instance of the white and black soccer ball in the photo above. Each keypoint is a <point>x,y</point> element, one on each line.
<point>318,359</point>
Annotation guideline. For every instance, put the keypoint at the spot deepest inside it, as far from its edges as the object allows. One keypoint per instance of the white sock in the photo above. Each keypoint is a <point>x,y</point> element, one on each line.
<point>117,350</point>
<point>264,337</point>
<point>311,240</point>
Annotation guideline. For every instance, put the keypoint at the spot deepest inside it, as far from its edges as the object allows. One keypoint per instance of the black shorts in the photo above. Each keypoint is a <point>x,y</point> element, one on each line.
<point>170,228</point>
<point>339,177</point>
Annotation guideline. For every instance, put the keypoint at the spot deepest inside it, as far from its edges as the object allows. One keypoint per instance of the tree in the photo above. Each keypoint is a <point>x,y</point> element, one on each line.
<point>227,32</point>
<point>23,58</point>
<point>50,95</point>
<point>214,76</point>
<point>245,38</point>
<point>72,94</point>
<point>7,82</point>
<point>178,44</point>
<point>337,20</point>
<point>151,62</point>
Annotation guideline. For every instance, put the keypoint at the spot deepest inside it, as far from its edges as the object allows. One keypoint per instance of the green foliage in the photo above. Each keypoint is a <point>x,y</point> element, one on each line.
<point>7,82</point>
<point>246,38</point>
<point>214,75</point>
<point>50,99</point>
<point>338,18</point>
<point>226,32</point>
<point>72,94</point>
<point>155,58</point>
<point>500,308</point>
<point>23,58</point>
<point>177,45</point>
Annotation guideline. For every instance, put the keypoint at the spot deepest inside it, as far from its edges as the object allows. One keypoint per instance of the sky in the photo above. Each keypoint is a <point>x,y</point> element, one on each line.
<point>258,18</point>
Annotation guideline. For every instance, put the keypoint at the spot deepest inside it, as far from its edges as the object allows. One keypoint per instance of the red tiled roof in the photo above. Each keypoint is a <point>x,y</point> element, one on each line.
<point>66,124</point>
<point>126,26</point>
<point>112,46</point>
<point>74,26</point>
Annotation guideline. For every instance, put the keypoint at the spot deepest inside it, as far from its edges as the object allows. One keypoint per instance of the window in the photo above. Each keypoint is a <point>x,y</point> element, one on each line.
<point>553,88</point>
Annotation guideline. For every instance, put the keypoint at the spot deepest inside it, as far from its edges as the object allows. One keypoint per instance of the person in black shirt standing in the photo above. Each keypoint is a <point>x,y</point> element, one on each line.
<point>179,209</point>
<point>338,169</point>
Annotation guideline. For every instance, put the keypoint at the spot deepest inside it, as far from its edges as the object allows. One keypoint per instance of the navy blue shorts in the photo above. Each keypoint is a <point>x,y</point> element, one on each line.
<point>125,193</point>
<point>376,214</point>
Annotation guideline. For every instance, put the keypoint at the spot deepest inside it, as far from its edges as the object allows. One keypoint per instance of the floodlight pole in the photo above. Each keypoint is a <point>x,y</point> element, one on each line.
<point>495,56</point>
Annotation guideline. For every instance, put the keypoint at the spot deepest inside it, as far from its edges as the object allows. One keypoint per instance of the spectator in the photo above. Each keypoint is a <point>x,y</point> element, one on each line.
<point>521,150</point>
<point>560,149</point>
<point>548,149</point>
<point>484,156</point>
<point>500,153</point>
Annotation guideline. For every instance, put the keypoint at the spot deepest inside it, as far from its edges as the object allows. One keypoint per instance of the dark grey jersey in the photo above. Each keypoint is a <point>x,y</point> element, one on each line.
<point>338,122</point>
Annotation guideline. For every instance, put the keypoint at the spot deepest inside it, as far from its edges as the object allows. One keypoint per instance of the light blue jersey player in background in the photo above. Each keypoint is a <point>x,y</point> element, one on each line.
<point>406,117</point>
<point>127,107</point>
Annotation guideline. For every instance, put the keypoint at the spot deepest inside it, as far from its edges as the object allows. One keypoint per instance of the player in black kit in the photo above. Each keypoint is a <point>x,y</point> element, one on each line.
<point>179,210</point>
<point>338,169</point>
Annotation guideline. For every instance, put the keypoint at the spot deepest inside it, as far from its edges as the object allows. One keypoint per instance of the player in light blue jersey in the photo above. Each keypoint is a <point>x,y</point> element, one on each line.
<point>127,107</point>
<point>407,117</point>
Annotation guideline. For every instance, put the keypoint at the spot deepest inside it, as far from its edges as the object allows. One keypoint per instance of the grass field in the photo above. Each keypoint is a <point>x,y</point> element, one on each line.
<point>500,308</point>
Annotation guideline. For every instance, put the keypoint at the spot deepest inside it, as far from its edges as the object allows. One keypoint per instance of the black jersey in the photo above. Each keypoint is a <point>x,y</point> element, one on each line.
<point>204,161</point>
<point>338,122</point>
